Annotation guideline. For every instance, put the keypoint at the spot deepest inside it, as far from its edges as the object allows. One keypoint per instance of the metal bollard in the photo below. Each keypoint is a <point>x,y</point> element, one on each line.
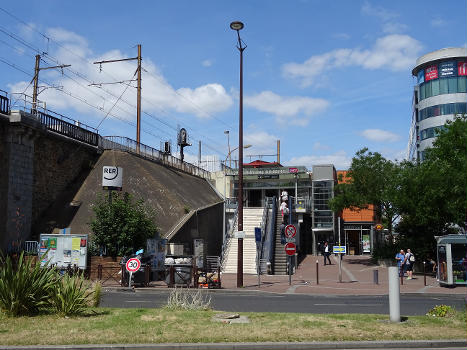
<point>147,272</point>
<point>317,272</point>
<point>172,275</point>
<point>375,276</point>
<point>424,274</point>
<point>394,295</point>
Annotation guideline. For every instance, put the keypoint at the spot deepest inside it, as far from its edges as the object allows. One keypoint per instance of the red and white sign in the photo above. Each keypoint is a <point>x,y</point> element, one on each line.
<point>290,248</point>
<point>293,170</point>
<point>461,68</point>
<point>290,231</point>
<point>133,265</point>
<point>431,73</point>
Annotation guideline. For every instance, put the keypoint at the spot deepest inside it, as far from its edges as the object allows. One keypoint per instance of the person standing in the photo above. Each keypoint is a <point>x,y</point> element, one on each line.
<point>400,257</point>
<point>282,229</point>
<point>409,262</point>
<point>326,253</point>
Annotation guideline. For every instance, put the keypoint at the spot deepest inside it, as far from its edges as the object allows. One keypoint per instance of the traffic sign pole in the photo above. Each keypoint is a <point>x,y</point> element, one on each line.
<point>129,280</point>
<point>340,255</point>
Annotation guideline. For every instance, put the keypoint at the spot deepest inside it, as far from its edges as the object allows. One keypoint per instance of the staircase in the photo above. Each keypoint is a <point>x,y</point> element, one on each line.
<point>251,219</point>
<point>280,258</point>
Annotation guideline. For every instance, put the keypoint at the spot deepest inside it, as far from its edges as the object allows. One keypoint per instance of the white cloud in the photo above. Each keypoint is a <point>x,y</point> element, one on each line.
<point>386,16</point>
<point>395,52</point>
<point>379,135</point>
<point>379,12</point>
<point>343,36</point>
<point>262,142</point>
<point>318,146</point>
<point>340,160</point>
<point>207,63</point>
<point>438,22</point>
<point>158,95</point>
<point>294,110</point>
<point>394,27</point>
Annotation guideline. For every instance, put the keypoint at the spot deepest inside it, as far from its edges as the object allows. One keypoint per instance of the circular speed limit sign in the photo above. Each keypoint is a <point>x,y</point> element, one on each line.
<point>133,265</point>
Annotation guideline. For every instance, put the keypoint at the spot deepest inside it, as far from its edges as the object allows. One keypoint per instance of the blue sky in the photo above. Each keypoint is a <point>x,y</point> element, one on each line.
<point>326,78</point>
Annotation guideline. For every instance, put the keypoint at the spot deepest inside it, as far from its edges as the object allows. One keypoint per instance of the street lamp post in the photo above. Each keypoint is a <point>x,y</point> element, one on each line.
<point>237,25</point>
<point>228,146</point>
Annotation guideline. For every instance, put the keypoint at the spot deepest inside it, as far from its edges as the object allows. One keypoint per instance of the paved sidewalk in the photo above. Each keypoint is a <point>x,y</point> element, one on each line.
<point>357,279</point>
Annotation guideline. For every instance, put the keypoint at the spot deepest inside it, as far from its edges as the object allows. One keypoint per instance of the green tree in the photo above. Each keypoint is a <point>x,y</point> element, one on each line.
<point>122,225</point>
<point>371,179</point>
<point>434,192</point>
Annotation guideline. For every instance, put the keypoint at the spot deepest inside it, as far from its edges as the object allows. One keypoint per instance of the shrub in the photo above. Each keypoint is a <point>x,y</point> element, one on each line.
<point>441,311</point>
<point>24,288</point>
<point>188,299</point>
<point>97,294</point>
<point>70,295</point>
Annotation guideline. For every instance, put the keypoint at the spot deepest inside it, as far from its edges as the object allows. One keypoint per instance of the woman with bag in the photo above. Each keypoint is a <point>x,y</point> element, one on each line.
<point>409,262</point>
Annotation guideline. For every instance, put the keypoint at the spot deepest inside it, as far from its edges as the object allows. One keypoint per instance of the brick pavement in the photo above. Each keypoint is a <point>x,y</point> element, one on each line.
<point>357,279</point>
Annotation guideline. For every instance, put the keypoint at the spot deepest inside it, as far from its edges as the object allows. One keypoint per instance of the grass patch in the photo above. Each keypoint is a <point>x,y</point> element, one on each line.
<point>105,325</point>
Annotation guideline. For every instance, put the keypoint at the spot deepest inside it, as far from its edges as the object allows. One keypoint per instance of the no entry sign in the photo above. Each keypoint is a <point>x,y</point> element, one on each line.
<point>290,248</point>
<point>133,265</point>
<point>290,231</point>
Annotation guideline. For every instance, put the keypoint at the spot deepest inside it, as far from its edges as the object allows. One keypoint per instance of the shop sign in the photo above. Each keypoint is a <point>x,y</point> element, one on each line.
<point>447,69</point>
<point>431,73</point>
<point>112,177</point>
<point>462,68</point>
<point>421,76</point>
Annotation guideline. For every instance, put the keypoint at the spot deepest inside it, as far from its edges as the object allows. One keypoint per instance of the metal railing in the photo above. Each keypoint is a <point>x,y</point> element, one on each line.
<point>228,238</point>
<point>129,145</point>
<point>270,239</point>
<point>264,222</point>
<point>76,130</point>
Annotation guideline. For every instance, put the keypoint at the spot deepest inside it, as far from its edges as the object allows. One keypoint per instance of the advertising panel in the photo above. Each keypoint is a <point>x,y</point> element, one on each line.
<point>366,243</point>
<point>462,68</point>
<point>447,69</point>
<point>431,73</point>
<point>421,76</point>
<point>63,250</point>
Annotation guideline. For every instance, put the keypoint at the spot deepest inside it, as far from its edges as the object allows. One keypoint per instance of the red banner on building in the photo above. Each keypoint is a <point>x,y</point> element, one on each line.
<point>461,68</point>
<point>431,73</point>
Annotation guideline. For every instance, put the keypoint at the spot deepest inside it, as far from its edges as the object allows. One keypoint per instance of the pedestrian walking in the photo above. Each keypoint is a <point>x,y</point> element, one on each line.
<point>400,257</point>
<point>326,253</point>
<point>409,261</point>
<point>282,229</point>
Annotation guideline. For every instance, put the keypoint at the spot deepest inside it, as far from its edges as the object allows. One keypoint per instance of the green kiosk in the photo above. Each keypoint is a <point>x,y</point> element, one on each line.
<point>452,260</point>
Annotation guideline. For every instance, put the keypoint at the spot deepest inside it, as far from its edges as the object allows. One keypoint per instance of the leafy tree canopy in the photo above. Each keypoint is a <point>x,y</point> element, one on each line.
<point>122,225</point>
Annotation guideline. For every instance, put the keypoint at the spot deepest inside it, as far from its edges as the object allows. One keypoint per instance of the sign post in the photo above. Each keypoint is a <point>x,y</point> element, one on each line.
<point>132,265</point>
<point>290,247</point>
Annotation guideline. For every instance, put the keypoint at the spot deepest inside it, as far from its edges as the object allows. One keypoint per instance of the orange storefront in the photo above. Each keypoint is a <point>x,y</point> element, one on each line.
<point>357,226</point>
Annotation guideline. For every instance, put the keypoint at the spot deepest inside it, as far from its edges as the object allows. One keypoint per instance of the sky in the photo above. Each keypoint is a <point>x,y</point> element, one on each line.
<point>326,78</point>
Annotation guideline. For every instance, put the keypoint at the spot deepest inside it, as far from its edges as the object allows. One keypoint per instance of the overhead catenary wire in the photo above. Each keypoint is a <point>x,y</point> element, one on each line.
<point>119,98</point>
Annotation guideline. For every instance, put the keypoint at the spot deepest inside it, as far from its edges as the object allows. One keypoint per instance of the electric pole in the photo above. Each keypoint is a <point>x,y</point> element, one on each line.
<point>138,91</point>
<point>35,79</point>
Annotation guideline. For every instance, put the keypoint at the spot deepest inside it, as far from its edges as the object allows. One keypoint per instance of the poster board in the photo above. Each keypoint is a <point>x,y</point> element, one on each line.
<point>63,250</point>
<point>155,248</point>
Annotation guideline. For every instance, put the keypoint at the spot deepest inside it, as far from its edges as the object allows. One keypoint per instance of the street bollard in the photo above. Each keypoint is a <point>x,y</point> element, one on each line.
<point>394,295</point>
<point>317,272</point>
<point>375,276</point>
<point>172,275</point>
<point>402,278</point>
<point>424,274</point>
<point>147,272</point>
<point>195,277</point>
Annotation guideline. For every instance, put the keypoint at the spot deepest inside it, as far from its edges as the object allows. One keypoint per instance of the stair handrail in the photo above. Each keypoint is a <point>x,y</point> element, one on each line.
<point>269,238</point>
<point>228,236</point>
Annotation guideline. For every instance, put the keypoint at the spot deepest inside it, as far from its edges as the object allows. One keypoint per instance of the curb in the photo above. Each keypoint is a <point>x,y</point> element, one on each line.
<point>401,344</point>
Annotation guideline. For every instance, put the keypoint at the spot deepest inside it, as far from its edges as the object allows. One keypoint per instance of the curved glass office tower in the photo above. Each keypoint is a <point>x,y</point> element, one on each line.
<point>440,93</point>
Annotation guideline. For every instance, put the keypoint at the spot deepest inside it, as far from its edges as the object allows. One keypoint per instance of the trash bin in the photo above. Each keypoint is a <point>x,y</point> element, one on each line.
<point>182,274</point>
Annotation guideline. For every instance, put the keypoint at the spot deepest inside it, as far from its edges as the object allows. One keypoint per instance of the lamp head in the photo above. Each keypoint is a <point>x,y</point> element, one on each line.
<point>237,25</point>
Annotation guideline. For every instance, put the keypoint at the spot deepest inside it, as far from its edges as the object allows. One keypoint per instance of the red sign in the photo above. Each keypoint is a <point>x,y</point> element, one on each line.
<point>293,170</point>
<point>290,231</point>
<point>290,248</point>
<point>431,73</point>
<point>461,68</point>
<point>133,265</point>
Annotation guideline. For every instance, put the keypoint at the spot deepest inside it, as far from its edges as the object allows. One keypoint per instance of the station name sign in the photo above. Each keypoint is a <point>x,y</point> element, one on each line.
<point>267,171</point>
